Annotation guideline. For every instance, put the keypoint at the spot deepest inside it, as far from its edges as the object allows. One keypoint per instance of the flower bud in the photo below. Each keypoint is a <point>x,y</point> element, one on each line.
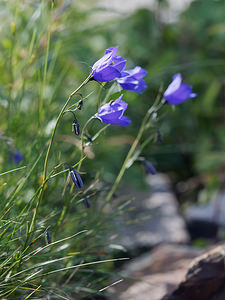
<point>76,177</point>
<point>48,237</point>
<point>87,203</point>
<point>149,168</point>
<point>76,127</point>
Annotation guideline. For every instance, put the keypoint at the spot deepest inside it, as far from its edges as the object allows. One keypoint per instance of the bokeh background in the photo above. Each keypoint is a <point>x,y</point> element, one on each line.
<point>165,38</point>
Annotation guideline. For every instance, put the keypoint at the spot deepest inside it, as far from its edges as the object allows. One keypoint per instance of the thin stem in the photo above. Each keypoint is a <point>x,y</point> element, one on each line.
<point>50,147</point>
<point>82,141</point>
<point>154,108</point>
<point>40,103</point>
<point>57,121</point>
<point>99,96</point>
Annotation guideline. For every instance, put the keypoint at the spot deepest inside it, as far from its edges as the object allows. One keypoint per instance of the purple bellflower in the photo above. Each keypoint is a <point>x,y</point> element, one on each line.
<point>132,80</point>
<point>178,92</point>
<point>109,67</point>
<point>112,113</point>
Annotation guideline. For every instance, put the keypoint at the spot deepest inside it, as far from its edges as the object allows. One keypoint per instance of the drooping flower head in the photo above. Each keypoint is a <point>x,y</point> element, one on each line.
<point>178,92</point>
<point>112,113</point>
<point>132,80</point>
<point>109,67</point>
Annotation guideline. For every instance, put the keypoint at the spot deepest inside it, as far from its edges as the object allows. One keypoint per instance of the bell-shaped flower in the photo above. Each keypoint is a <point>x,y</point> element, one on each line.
<point>178,92</point>
<point>109,67</point>
<point>132,80</point>
<point>112,113</point>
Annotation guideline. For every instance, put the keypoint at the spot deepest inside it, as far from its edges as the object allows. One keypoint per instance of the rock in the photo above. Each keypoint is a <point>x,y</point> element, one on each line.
<point>152,275</point>
<point>170,273</point>
<point>204,279</point>
<point>154,217</point>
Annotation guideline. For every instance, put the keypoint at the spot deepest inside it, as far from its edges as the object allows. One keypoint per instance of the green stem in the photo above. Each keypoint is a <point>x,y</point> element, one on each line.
<point>99,96</point>
<point>57,121</point>
<point>50,147</point>
<point>40,107</point>
<point>154,108</point>
<point>82,142</point>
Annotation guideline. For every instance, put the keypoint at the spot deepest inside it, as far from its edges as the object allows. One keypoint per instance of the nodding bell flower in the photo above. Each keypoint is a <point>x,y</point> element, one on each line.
<point>178,92</point>
<point>112,113</point>
<point>132,80</point>
<point>76,177</point>
<point>109,67</point>
<point>149,168</point>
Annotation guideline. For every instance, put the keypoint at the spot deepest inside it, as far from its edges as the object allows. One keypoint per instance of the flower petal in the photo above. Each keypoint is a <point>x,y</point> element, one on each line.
<point>175,84</point>
<point>112,113</point>
<point>119,63</point>
<point>109,117</point>
<point>104,61</point>
<point>180,95</point>
<point>137,72</point>
<point>106,74</point>
<point>122,103</point>
<point>111,50</point>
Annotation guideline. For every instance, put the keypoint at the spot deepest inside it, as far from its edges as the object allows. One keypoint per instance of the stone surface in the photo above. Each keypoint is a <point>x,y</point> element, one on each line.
<point>204,279</point>
<point>152,275</point>
<point>154,217</point>
<point>171,273</point>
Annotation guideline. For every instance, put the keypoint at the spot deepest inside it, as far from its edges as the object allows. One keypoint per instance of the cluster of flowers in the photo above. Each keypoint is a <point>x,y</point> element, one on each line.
<point>112,66</point>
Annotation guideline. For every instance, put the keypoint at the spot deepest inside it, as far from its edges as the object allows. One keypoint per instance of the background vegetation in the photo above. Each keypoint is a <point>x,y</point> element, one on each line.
<point>46,50</point>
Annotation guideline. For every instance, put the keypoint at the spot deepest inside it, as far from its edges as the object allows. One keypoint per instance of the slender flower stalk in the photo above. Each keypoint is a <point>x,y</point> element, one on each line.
<point>155,107</point>
<point>82,141</point>
<point>99,96</point>
<point>50,147</point>
<point>57,121</point>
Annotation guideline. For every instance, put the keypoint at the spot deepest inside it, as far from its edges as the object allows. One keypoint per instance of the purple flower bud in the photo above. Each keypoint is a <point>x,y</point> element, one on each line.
<point>87,203</point>
<point>48,237</point>
<point>112,113</point>
<point>76,177</point>
<point>149,168</point>
<point>178,92</point>
<point>17,157</point>
<point>132,80</point>
<point>80,105</point>
<point>109,67</point>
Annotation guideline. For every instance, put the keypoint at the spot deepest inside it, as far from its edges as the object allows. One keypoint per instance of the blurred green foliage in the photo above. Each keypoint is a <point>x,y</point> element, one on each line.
<point>194,132</point>
<point>45,52</point>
